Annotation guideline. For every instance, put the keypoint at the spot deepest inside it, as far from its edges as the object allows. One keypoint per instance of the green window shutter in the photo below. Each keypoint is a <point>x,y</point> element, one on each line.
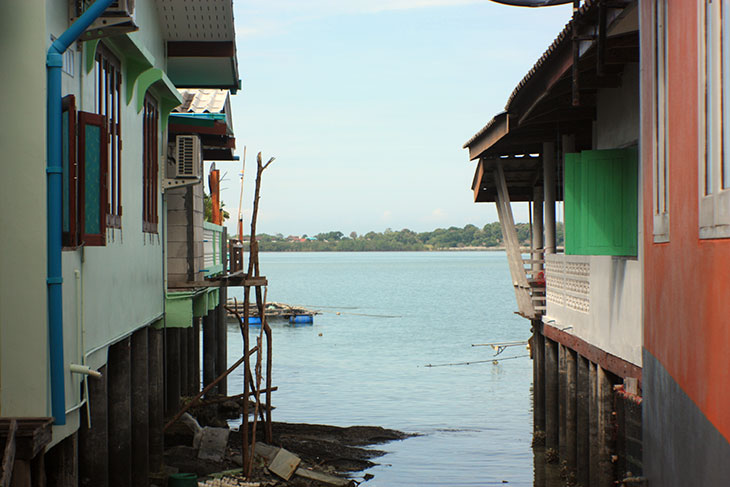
<point>601,202</point>
<point>93,170</point>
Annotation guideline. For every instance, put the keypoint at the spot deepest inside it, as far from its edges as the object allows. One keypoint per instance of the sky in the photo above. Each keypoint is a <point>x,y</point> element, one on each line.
<point>366,105</point>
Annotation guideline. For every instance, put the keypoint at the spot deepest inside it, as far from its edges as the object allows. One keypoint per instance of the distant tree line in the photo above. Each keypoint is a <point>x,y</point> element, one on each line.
<point>471,236</point>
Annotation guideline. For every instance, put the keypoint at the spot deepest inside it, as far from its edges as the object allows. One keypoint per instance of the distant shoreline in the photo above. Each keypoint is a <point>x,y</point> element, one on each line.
<point>448,249</point>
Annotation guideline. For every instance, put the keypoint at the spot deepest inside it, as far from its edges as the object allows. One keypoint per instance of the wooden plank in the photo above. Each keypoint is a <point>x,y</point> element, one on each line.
<point>610,362</point>
<point>284,464</point>
<point>512,245</point>
<point>9,455</point>
<point>32,435</point>
<point>230,281</point>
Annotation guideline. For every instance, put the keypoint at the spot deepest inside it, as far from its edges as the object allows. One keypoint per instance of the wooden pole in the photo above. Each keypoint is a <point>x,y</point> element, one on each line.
<point>209,348</point>
<point>140,408</point>
<point>156,399</point>
<point>562,399</point>
<point>94,440</point>
<point>538,355</point>
<point>570,409</point>
<point>207,389</point>
<point>222,326</point>
<point>120,414</point>
<point>215,197</point>
<point>582,422</point>
<point>172,368</point>
<point>551,395</point>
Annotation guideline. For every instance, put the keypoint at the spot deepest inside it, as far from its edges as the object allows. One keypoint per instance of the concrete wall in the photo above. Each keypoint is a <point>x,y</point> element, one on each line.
<point>617,113</point>
<point>612,318</point>
<point>23,311</point>
<point>185,214</point>
<point>108,292</point>
<point>686,284</point>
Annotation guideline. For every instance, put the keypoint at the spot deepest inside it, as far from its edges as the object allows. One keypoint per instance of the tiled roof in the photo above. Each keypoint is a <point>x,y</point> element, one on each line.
<point>563,37</point>
<point>203,101</point>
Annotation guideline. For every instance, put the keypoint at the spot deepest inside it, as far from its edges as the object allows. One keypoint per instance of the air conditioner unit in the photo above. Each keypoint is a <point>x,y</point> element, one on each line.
<point>118,18</point>
<point>188,156</point>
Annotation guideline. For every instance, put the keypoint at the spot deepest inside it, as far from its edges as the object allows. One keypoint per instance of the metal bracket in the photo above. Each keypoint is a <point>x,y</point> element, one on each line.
<point>179,183</point>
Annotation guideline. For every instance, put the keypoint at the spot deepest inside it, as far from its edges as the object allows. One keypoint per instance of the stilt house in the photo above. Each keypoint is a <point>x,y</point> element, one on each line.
<point>570,134</point>
<point>89,86</point>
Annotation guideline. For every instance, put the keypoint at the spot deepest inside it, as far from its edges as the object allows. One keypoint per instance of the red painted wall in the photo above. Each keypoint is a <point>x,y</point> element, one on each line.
<point>687,280</point>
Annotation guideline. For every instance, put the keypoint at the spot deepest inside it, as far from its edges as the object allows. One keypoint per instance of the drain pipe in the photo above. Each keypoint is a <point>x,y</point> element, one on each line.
<point>54,203</point>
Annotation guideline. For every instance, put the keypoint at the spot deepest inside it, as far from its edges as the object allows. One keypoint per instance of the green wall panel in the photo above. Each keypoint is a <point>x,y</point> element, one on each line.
<point>179,310</point>
<point>200,305</point>
<point>601,202</point>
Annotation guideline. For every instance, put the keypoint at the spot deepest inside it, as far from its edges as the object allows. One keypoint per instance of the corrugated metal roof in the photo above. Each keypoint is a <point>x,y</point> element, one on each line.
<point>563,37</point>
<point>204,101</point>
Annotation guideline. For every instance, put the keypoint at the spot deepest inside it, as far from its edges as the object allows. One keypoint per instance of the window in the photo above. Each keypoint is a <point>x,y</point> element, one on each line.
<point>93,177</point>
<point>70,168</point>
<point>714,184</point>
<point>108,103</point>
<point>601,202</point>
<point>149,165</point>
<point>659,126</point>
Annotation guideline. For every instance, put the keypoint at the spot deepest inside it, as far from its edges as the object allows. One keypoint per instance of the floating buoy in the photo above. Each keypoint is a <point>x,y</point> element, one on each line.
<point>254,320</point>
<point>301,319</point>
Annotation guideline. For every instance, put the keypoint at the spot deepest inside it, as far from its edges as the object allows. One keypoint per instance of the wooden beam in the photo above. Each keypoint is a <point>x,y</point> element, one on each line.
<point>9,455</point>
<point>610,362</point>
<point>514,256</point>
<point>201,49</point>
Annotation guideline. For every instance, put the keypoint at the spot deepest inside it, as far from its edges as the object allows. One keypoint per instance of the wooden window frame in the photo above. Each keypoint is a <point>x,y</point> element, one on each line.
<point>70,238</point>
<point>93,119</point>
<point>108,86</point>
<point>150,164</point>
<point>660,122</point>
<point>714,155</point>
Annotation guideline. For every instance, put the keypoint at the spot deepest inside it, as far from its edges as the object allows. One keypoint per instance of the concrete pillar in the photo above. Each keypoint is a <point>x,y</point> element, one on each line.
<point>184,382</point>
<point>172,371</point>
<point>140,408</point>
<point>551,395</point>
<point>62,463</point>
<point>209,349</point>
<point>562,399</point>
<point>156,398</point>
<point>571,418</point>
<point>582,422</point>
<point>548,163</point>
<point>94,441</point>
<point>120,414</point>
<point>593,477</point>
<point>538,372</point>
<point>604,397</point>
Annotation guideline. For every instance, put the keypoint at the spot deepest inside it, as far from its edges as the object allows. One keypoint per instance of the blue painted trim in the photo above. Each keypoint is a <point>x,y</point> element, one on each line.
<point>54,199</point>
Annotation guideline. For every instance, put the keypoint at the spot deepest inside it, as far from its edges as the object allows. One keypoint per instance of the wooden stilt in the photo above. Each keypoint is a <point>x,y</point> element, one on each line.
<point>140,408</point>
<point>94,441</point>
<point>156,399</point>
<point>551,395</point>
<point>209,349</point>
<point>184,369</point>
<point>120,414</point>
<point>172,370</point>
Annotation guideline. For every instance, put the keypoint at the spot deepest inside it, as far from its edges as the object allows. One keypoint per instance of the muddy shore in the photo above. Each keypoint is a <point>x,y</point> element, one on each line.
<point>330,450</point>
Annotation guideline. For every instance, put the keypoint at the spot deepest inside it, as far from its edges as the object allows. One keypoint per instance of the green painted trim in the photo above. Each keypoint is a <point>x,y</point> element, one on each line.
<point>200,305</point>
<point>213,270</point>
<point>199,119</point>
<point>90,53</point>
<point>213,227</point>
<point>137,59</point>
<point>164,88</point>
<point>213,298</point>
<point>179,311</point>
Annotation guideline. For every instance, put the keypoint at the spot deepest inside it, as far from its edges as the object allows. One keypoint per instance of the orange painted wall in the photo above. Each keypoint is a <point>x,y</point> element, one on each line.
<point>687,281</point>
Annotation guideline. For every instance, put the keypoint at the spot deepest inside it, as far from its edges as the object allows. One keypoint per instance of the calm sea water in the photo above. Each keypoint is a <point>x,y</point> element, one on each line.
<point>365,366</point>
